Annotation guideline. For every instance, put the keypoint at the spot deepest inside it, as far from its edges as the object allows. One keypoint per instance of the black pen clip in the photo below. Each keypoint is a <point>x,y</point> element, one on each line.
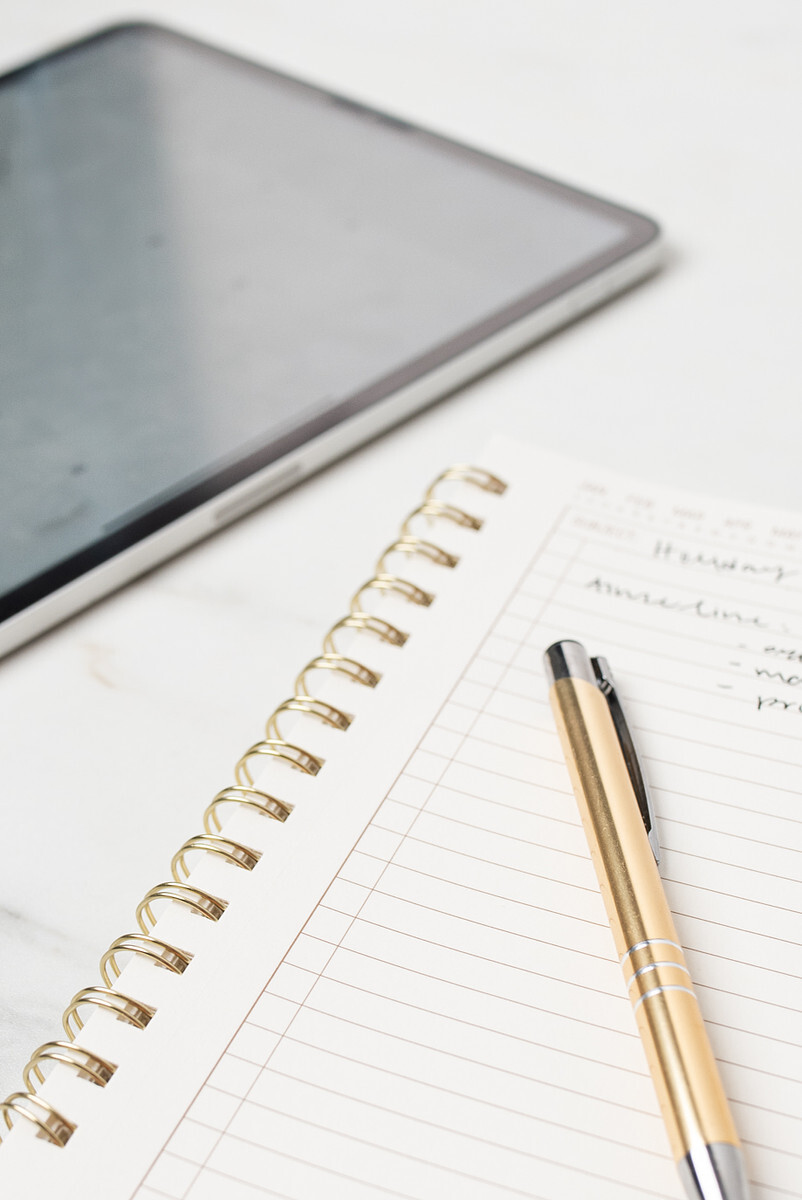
<point>604,679</point>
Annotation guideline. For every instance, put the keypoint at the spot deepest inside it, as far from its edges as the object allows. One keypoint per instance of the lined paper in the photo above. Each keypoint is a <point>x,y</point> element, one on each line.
<point>451,1019</point>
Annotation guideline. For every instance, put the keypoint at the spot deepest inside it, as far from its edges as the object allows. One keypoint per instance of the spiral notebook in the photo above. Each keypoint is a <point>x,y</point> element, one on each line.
<point>382,967</point>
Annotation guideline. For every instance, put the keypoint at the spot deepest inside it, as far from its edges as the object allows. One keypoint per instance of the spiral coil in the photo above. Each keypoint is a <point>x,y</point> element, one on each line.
<point>50,1123</point>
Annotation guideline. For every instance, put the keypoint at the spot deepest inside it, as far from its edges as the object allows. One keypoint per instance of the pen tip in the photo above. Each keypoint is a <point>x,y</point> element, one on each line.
<point>714,1172</point>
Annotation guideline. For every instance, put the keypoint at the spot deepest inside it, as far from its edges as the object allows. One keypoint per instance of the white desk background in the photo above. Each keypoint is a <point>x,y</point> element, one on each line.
<point>126,720</point>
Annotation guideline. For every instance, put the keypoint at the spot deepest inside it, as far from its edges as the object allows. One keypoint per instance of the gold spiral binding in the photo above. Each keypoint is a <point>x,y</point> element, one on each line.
<point>367,623</point>
<point>249,797</point>
<point>382,582</point>
<point>355,671</point>
<point>277,748</point>
<point>49,1121</point>
<point>87,1065</point>
<point>438,509</point>
<point>210,907</point>
<point>169,957</point>
<point>409,544</point>
<point>326,713</point>
<point>124,1008</point>
<point>465,473</point>
<point>233,852</point>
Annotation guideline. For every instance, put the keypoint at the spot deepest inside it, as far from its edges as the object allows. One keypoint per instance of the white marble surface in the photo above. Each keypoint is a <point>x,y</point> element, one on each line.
<point>118,727</point>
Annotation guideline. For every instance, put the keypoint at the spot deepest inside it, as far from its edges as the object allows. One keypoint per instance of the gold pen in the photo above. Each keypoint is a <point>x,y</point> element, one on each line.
<point>619,825</point>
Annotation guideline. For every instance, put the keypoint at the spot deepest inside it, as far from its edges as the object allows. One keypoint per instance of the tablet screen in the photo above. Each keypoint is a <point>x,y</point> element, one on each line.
<point>205,263</point>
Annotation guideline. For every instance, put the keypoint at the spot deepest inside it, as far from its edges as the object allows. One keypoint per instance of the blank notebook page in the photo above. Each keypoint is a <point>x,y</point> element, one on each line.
<point>448,1018</point>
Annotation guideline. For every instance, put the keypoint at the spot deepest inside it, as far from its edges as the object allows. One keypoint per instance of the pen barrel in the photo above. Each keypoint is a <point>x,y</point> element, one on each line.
<point>678,1052</point>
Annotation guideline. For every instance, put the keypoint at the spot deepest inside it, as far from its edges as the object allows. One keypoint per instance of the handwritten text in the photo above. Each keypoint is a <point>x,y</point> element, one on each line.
<point>697,608</point>
<point>720,564</point>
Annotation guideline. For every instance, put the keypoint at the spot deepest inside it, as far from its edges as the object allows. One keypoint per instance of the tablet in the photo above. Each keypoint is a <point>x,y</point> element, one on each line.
<point>216,278</point>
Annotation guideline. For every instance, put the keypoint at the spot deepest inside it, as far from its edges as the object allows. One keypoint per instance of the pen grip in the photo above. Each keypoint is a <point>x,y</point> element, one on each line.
<point>678,1052</point>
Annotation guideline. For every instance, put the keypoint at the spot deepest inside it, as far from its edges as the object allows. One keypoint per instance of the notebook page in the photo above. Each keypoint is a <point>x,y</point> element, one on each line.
<point>450,1018</point>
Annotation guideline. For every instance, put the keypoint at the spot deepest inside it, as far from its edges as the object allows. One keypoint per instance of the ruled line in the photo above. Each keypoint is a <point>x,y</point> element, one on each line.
<point>304,1162</point>
<point>515,1002</point>
<point>477,1062</point>
<point>448,1128</point>
<point>425,1083</point>
<point>387,1150</point>
<point>540,1158</point>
